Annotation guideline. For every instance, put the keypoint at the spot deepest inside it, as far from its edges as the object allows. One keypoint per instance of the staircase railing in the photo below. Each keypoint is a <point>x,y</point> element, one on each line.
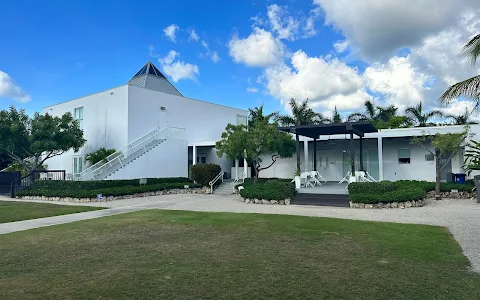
<point>217,178</point>
<point>27,180</point>
<point>131,151</point>
<point>240,177</point>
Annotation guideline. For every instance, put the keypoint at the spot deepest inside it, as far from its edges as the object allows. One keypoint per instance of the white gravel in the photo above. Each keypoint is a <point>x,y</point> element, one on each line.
<point>461,217</point>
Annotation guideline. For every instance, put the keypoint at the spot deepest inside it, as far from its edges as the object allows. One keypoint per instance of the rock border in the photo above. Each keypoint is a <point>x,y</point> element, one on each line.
<point>453,195</point>
<point>204,190</point>
<point>270,202</point>
<point>380,205</point>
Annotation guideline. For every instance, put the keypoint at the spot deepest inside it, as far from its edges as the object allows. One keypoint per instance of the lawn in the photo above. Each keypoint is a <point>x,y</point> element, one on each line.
<point>190,255</point>
<point>11,211</point>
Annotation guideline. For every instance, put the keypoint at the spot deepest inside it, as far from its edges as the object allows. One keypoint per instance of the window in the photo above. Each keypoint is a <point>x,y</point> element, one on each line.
<point>241,120</point>
<point>403,156</point>
<point>77,165</point>
<point>429,157</point>
<point>78,115</point>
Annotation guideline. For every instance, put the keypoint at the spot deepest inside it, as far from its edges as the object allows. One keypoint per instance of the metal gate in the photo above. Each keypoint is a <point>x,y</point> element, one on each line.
<point>6,179</point>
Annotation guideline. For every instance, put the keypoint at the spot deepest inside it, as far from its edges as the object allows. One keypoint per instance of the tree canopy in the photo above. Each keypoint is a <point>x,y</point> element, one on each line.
<point>254,142</point>
<point>31,141</point>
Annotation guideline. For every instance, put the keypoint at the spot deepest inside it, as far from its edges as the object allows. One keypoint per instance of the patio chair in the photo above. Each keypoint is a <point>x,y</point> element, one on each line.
<point>346,178</point>
<point>305,179</point>
<point>314,176</point>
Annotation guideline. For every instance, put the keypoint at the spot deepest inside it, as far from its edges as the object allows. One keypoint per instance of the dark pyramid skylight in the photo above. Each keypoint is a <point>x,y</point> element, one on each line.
<point>149,68</point>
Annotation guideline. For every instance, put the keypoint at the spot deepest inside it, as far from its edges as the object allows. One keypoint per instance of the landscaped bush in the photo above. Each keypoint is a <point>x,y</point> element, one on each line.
<point>37,190</point>
<point>100,184</point>
<point>204,173</point>
<point>249,181</point>
<point>269,190</point>
<point>398,191</point>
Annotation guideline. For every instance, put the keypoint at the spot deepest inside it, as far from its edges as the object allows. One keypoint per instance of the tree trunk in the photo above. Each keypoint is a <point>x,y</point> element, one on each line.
<point>437,175</point>
<point>476,180</point>
<point>298,152</point>
<point>256,175</point>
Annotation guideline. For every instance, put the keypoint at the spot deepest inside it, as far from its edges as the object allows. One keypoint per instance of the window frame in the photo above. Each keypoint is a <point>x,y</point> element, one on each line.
<point>407,160</point>
<point>79,118</point>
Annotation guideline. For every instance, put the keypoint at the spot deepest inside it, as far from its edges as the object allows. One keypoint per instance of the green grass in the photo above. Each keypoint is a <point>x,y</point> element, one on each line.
<point>190,255</point>
<point>11,211</point>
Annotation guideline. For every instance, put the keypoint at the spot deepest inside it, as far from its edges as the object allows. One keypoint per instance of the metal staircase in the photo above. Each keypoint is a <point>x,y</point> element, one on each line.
<point>130,153</point>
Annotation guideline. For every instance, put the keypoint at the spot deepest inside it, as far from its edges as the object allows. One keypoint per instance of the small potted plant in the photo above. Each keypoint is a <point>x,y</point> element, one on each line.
<point>298,181</point>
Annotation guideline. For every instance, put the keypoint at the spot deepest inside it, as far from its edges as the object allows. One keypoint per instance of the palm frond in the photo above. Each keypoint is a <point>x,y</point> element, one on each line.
<point>356,117</point>
<point>472,49</point>
<point>469,88</point>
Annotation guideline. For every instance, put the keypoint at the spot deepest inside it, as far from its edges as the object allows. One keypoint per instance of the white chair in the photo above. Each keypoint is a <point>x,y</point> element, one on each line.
<point>314,176</point>
<point>346,178</point>
<point>305,179</point>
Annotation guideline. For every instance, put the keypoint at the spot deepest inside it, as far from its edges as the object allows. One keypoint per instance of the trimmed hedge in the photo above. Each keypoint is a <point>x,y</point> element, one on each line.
<point>398,191</point>
<point>39,190</point>
<point>269,190</point>
<point>204,173</point>
<point>100,184</point>
<point>249,181</point>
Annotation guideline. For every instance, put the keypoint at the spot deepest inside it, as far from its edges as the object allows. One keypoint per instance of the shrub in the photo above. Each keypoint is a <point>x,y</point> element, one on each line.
<point>269,190</point>
<point>42,190</point>
<point>371,187</point>
<point>204,173</point>
<point>400,195</point>
<point>99,155</point>
<point>249,181</point>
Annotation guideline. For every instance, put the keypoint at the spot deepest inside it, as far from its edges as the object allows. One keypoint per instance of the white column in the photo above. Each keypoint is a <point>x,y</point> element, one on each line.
<point>236,168</point>
<point>306,167</point>
<point>194,155</point>
<point>380,158</point>
<point>245,168</point>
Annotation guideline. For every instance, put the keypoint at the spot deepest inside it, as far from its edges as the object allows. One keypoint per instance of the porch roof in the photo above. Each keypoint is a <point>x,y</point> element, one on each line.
<point>314,131</point>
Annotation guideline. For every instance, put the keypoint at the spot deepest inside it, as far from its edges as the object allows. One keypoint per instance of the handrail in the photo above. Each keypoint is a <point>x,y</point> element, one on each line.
<point>241,176</point>
<point>122,156</point>
<point>214,180</point>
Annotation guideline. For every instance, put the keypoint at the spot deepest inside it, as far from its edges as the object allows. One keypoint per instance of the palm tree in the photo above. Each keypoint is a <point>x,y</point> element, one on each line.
<point>463,119</point>
<point>469,88</point>
<point>256,115</point>
<point>301,115</point>
<point>370,113</point>
<point>417,114</point>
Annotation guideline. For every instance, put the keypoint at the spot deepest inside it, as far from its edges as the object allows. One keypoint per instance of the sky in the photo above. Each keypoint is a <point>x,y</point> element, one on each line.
<point>240,53</point>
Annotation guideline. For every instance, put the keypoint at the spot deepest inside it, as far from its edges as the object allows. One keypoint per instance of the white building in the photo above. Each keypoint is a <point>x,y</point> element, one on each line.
<point>159,132</point>
<point>388,154</point>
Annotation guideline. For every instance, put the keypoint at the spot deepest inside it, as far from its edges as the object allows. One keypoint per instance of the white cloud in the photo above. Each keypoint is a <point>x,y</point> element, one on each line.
<point>341,46</point>
<point>178,70</point>
<point>252,90</point>
<point>380,27</point>
<point>285,26</point>
<point>214,57</point>
<point>457,108</point>
<point>193,36</point>
<point>204,44</point>
<point>171,31</point>
<point>259,49</point>
<point>10,89</point>
<point>398,81</point>
<point>326,83</point>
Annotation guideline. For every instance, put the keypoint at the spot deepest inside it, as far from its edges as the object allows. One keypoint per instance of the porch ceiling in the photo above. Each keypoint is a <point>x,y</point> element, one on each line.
<point>314,131</point>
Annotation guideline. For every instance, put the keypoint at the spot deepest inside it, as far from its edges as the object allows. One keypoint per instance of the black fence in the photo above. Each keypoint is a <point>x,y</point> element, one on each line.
<point>6,179</point>
<point>26,181</point>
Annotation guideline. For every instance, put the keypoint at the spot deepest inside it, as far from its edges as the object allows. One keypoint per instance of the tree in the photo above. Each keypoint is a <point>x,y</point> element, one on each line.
<point>469,88</point>
<point>99,155</point>
<point>256,115</point>
<point>371,113</point>
<point>255,142</point>
<point>5,160</point>
<point>420,117</point>
<point>463,119</point>
<point>445,146</point>
<point>301,115</point>
<point>383,117</point>
<point>38,138</point>
<point>336,117</point>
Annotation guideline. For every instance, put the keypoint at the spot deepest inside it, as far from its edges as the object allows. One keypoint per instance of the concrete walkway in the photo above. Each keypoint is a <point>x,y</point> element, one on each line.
<point>461,217</point>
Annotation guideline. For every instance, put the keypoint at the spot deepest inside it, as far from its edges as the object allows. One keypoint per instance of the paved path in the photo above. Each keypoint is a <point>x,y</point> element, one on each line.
<point>461,217</point>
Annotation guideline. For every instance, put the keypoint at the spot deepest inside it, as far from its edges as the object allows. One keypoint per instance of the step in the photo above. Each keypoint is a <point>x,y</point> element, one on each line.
<point>336,200</point>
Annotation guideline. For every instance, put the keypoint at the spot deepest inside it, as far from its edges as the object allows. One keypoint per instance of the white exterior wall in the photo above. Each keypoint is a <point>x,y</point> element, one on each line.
<point>203,121</point>
<point>105,124</point>
<point>168,159</point>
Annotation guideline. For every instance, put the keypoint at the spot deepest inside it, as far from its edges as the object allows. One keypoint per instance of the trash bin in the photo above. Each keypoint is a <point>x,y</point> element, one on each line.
<point>460,178</point>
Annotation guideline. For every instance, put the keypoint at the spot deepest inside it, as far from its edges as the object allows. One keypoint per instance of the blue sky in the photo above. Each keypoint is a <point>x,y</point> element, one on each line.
<point>268,51</point>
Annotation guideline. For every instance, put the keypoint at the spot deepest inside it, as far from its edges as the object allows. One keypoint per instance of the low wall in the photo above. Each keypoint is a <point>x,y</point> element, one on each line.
<point>260,201</point>
<point>204,190</point>
<point>406,204</point>
<point>453,195</point>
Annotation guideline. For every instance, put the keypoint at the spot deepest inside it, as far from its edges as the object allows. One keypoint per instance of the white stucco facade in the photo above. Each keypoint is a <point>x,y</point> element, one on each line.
<point>117,117</point>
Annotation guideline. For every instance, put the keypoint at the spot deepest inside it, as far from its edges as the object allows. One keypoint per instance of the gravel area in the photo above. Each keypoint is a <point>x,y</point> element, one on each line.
<point>461,217</point>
